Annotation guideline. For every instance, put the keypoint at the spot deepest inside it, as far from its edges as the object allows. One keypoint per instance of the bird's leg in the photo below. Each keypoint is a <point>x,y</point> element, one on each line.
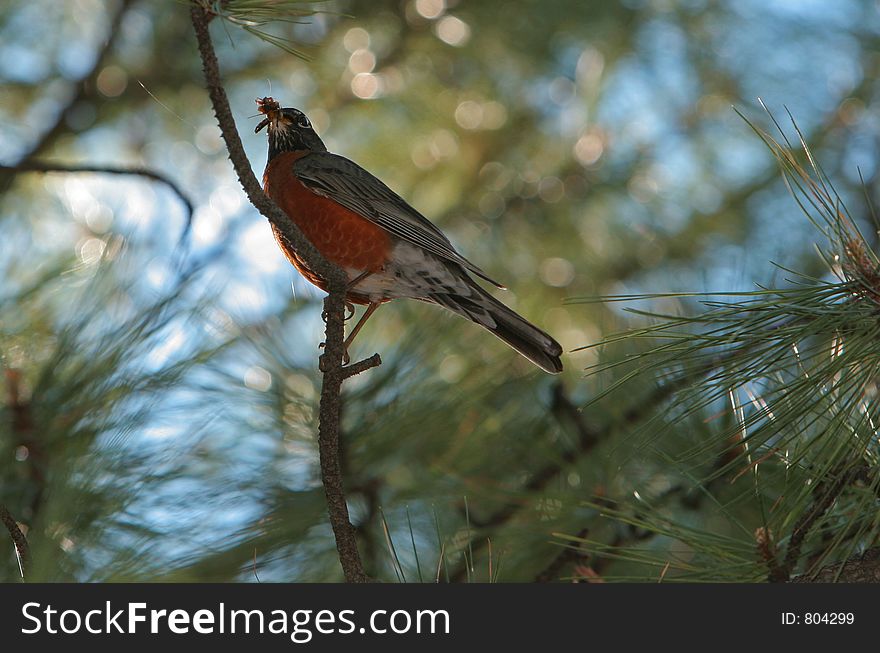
<point>357,280</point>
<point>357,327</point>
<point>348,305</point>
<point>348,287</point>
<point>346,359</point>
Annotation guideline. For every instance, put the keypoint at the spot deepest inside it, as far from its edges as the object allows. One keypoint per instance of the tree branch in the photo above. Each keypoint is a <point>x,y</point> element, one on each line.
<point>826,493</point>
<point>864,568</point>
<point>22,549</point>
<point>334,304</point>
<point>589,436</point>
<point>139,171</point>
<point>336,278</point>
<point>361,366</point>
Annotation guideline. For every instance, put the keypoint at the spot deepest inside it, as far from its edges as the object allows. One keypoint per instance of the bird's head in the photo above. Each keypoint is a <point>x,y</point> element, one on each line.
<point>289,129</point>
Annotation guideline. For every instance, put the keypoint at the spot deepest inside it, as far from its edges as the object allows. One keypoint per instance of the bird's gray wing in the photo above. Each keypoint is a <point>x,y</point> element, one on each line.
<point>345,182</point>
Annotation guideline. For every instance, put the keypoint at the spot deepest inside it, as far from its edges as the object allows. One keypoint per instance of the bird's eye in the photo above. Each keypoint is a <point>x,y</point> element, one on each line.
<point>302,121</point>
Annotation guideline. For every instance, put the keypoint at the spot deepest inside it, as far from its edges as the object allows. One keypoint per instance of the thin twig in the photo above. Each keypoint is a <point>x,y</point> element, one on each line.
<point>361,366</point>
<point>334,305</point>
<point>138,171</point>
<point>22,549</point>
<point>256,575</point>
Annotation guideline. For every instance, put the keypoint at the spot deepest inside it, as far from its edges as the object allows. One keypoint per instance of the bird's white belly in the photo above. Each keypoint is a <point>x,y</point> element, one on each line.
<point>410,272</point>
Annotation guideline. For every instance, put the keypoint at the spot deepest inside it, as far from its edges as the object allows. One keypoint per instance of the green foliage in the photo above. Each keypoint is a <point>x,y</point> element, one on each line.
<point>159,410</point>
<point>797,367</point>
<point>254,15</point>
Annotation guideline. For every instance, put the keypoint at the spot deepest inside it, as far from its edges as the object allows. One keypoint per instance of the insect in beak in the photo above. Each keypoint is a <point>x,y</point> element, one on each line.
<point>269,107</point>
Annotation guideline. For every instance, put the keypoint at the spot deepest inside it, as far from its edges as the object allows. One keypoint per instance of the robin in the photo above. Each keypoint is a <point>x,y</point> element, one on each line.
<point>387,248</point>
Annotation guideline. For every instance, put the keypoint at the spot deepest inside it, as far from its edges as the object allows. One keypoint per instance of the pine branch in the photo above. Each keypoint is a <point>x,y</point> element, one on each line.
<point>864,568</point>
<point>334,305</point>
<point>767,550</point>
<point>588,437</point>
<point>804,359</point>
<point>826,493</point>
<point>252,16</point>
<point>567,413</point>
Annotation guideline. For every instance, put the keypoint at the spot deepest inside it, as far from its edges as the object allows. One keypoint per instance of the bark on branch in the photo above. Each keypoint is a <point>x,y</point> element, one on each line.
<point>864,568</point>
<point>334,304</point>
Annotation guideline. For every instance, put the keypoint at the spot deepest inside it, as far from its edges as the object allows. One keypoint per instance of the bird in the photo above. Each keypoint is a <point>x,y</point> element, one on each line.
<point>386,247</point>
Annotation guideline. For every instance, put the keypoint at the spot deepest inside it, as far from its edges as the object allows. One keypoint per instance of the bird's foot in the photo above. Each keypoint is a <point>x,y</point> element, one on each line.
<point>349,307</point>
<point>322,359</point>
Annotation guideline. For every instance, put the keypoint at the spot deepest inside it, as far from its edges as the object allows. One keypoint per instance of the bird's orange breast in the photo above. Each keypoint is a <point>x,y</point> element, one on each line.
<point>342,236</point>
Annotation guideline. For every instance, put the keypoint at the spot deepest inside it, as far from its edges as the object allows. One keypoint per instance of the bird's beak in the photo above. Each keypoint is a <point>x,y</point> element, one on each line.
<point>271,109</point>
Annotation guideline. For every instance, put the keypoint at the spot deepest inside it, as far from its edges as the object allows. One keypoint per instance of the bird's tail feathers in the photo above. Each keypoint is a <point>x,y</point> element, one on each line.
<point>527,339</point>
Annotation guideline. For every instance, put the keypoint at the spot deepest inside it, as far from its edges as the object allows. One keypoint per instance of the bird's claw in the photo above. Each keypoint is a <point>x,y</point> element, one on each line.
<point>322,359</point>
<point>348,307</point>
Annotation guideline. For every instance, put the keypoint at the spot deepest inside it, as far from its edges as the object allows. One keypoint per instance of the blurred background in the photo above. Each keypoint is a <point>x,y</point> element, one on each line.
<point>160,389</point>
